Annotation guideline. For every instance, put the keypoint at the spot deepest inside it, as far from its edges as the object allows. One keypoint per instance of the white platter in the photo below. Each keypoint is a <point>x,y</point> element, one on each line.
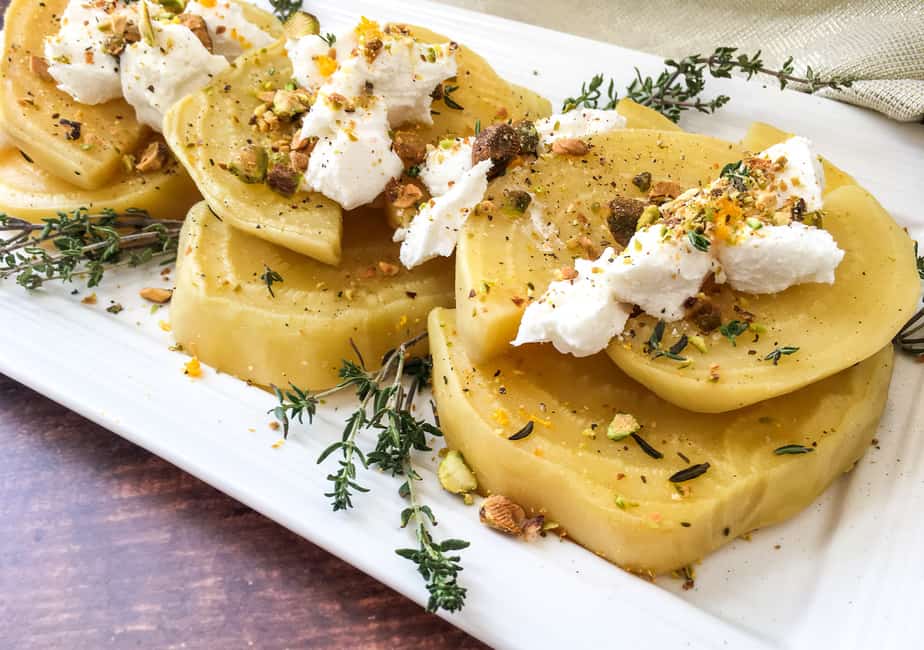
<point>849,572</point>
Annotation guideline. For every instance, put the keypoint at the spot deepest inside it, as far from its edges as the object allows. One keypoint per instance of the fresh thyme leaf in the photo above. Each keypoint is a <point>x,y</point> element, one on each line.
<point>82,244</point>
<point>386,407</point>
<point>293,403</point>
<point>778,353</point>
<point>654,341</point>
<point>269,278</point>
<point>699,241</point>
<point>792,449</point>
<point>733,329</point>
<point>284,9</point>
<point>672,353</point>
<point>328,38</point>
<point>689,473</point>
<point>413,171</point>
<point>738,173</point>
<point>448,100</point>
<point>679,86</point>
<point>524,432</point>
<point>647,448</point>
<point>591,94</point>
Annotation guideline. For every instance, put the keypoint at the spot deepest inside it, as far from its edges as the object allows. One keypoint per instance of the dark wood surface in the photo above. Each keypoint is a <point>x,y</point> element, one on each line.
<point>103,545</point>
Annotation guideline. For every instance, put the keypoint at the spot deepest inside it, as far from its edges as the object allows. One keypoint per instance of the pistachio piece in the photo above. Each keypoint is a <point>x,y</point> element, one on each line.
<point>454,475</point>
<point>528,136</point>
<point>505,515</point>
<point>289,103</point>
<point>498,143</point>
<point>570,147</point>
<point>154,157</point>
<point>642,181</point>
<point>39,67</point>
<point>622,426</point>
<point>196,24</point>
<point>624,217</point>
<point>250,164</point>
<point>283,178</point>
<point>301,23</point>
<point>649,216</point>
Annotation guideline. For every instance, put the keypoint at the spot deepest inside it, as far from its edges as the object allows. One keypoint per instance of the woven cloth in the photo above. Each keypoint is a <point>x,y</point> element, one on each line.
<point>877,43</point>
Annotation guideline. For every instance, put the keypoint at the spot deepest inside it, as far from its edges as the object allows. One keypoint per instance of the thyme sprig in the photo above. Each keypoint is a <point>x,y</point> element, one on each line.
<point>284,9</point>
<point>673,352</point>
<point>385,405</point>
<point>269,277</point>
<point>678,87</point>
<point>82,244</point>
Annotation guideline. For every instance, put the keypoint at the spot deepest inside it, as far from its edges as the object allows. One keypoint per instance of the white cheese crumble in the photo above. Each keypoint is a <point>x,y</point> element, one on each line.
<point>434,230</point>
<point>358,102</point>
<point>76,58</point>
<point>231,33</point>
<point>578,123</point>
<point>661,268</point>
<point>658,272</point>
<point>352,161</point>
<point>578,316</point>
<point>802,177</point>
<point>775,258</point>
<point>155,77</point>
<point>150,78</point>
<point>445,164</point>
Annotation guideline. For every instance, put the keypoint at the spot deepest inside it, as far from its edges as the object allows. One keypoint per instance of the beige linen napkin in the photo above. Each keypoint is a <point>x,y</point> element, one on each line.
<point>879,43</point>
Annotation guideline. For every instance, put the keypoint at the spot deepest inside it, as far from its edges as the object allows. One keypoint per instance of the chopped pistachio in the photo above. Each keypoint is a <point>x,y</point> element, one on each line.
<point>698,342</point>
<point>454,475</point>
<point>622,426</point>
<point>649,216</point>
<point>302,23</point>
<point>250,164</point>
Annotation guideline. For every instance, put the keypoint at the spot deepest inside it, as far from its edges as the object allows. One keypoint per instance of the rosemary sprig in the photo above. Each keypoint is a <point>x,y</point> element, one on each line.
<point>448,99</point>
<point>82,244</point>
<point>678,87</point>
<point>386,407</point>
<point>283,9</point>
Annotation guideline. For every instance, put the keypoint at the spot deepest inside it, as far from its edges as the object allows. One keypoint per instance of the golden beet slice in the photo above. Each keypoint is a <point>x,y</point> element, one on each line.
<point>223,312</point>
<point>613,497</point>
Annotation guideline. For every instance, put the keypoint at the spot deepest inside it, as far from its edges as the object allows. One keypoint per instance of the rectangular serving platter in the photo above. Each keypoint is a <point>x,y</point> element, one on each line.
<point>846,573</point>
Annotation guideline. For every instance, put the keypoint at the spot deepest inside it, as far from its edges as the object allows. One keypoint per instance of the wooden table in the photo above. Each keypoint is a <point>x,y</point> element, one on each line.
<point>103,545</point>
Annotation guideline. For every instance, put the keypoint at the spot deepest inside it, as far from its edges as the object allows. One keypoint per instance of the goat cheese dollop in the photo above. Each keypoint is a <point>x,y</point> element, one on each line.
<point>76,57</point>
<point>774,258</point>
<point>93,59</point>
<point>434,230</point>
<point>658,272</point>
<point>747,228</point>
<point>155,77</point>
<point>231,33</point>
<point>578,316</point>
<point>369,82</point>
<point>445,164</point>
<point>578,123</point>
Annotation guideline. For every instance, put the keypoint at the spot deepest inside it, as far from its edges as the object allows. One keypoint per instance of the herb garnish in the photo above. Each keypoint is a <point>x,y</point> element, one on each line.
<point>733,329</point>
<point>654,344</point>
<point>385,406</point>
<point>648,449</point>
<point>738,173</point>
<point>284,9</point>
<point>590,96</point>
<point>73,129</point>
<point>269,278</point>
<point>792,449</point>
<point>524,432</point>
<point>448,100</point>
<point>82,244</point>
<point>699,241</point>
<point>678,87</point>
<point>778,353</point>
<point>328,38</point>
<point>689,473</point>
